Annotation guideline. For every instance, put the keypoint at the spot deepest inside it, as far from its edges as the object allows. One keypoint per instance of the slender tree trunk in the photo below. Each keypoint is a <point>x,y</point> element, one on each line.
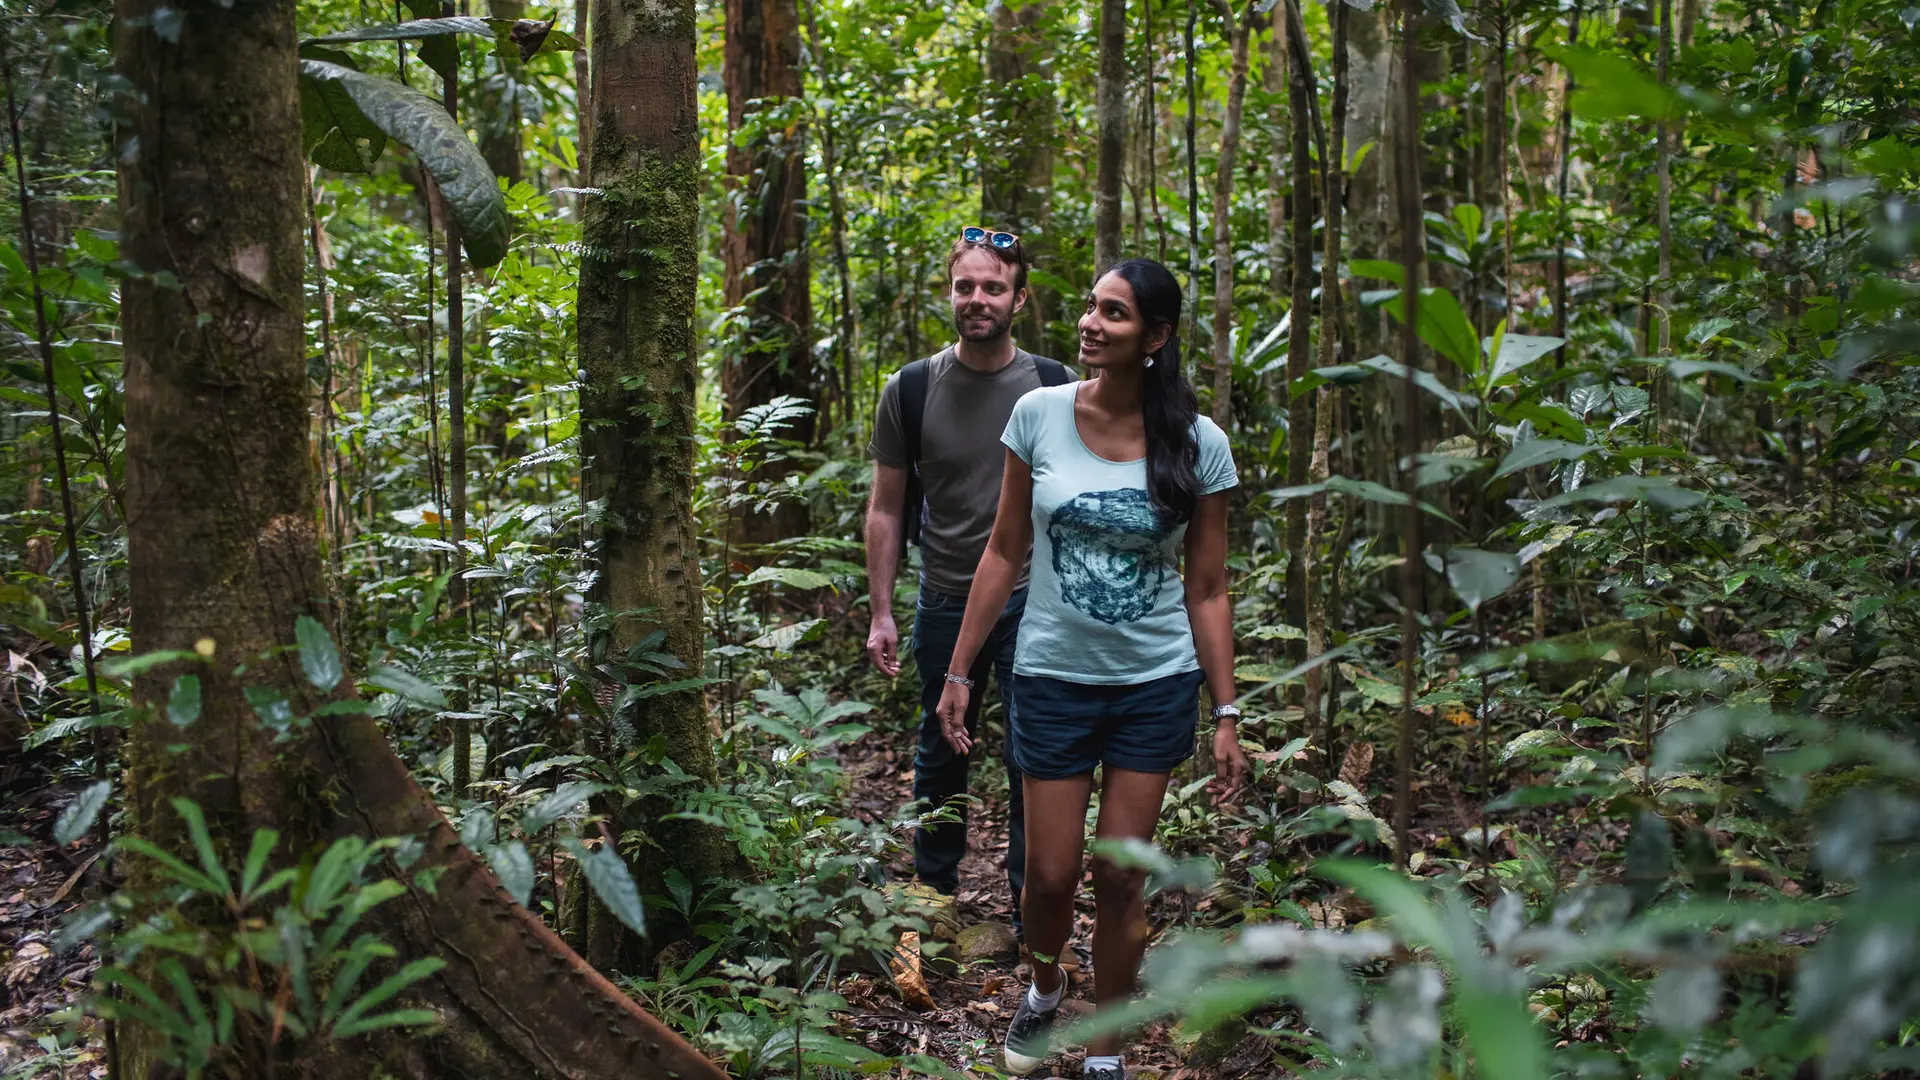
<point>639,352</point>
<point>1193,175</point>
<point>457,588</point>
<point>1332,168</point>
<point>1016,160</point>
<point>1663,170</point>
<point>1300,91</point>
<point>43,337</point>
<point>1279,277</point>
<point>223,554</point>
<point>1369,216</point>
<point>1412,254</point>
<point>1560,313</point>
<point>767,266</point>
<point>1223,213</point>
<point>582,84</point>
<point>1112,98</point>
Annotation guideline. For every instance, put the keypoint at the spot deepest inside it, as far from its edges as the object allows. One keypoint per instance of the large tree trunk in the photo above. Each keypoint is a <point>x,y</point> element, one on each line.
<point>222,550</point>
<point>1016,154</point>
<point>766,235</point>
<point>1223,215</point>
<point>638,353</point>
<point>1112,98</point>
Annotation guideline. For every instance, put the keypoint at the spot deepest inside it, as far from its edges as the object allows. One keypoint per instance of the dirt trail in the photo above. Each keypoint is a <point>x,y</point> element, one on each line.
<point>38,886</point>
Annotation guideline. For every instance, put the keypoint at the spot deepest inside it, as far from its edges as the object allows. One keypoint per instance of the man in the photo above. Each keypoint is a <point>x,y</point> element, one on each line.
<point>937,437</point>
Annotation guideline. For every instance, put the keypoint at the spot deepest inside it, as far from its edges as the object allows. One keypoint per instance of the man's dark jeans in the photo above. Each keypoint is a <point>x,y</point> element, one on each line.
<point>940,775</point>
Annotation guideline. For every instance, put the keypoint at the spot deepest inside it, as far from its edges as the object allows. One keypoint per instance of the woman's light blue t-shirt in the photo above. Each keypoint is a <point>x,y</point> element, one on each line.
<point>1106,604</point>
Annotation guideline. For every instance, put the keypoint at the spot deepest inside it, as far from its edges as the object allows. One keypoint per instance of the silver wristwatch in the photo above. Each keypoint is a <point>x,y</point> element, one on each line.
<point>959,680</point>
<point>1225,712</point>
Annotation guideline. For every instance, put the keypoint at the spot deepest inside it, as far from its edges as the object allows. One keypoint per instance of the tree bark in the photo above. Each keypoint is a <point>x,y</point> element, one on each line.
<point>1279,281</point>
<point>1112,98</point>
<point>1016,158</point>
<point>1223,213</point>
<point>457,588</point>
<point>1300,91</point>
<point>582,86</point>
<point>638,351</point>
<point>1333,169</point>
<point>1412,254</point>
<point>767,265</point>
<point>223,551</point>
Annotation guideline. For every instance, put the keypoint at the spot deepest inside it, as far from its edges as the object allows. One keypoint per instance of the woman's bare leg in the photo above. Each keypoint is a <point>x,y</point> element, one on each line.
<point>1054,853</point>
<point>1129,807</point>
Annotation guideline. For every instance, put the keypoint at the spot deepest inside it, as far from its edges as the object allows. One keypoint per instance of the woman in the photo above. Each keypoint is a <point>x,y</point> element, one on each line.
<point>1105,481</point>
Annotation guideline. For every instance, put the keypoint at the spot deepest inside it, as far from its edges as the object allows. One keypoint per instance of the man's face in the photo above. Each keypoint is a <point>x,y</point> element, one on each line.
<point>984,298</point>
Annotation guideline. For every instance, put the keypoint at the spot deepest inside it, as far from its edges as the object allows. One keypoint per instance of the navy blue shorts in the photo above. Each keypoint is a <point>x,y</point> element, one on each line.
<point>1065,728</point>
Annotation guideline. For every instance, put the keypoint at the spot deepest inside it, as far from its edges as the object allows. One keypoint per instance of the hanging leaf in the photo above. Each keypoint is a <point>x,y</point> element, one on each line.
<point>1479,576</point>
<point>333,131</point>
<point>607,872</point>
<point>1534,452</point>
<point>1647,489</point>
<point>79,815</point>
<point>1518,350</point>
<point>441,56</point>
<point>514,867</point>
<point>318,658</point>
<point>1377,268</point>
<point>418,122</point>
<point>416,29</point>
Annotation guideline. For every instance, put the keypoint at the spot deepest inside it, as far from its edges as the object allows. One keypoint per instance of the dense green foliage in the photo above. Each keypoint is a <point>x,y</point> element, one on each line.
<point>1666,790</point>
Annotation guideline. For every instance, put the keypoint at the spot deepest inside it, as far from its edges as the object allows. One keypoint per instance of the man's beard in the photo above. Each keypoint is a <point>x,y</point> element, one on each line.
<point>994,331</point>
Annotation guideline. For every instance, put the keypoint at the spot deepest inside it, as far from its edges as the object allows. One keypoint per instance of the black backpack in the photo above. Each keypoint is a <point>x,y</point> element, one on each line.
<point>913,412</point>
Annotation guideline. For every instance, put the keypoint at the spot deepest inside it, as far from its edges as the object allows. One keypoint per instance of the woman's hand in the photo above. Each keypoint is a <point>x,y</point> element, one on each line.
<point>1230,766</point>
<point>953,718</point>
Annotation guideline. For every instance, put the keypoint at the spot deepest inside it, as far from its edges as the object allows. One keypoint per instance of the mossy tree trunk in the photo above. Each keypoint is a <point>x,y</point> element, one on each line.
<point>223,549</point>
<point>765,243</point>
<point>1016,148</point>
<point>638,352</point>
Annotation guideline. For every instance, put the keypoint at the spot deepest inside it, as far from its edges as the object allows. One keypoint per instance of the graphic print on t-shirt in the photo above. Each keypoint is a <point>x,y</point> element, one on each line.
<point>1107,554</point>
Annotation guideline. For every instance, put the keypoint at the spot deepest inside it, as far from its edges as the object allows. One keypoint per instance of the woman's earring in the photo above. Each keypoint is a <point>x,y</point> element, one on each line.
<point>1149,361</point>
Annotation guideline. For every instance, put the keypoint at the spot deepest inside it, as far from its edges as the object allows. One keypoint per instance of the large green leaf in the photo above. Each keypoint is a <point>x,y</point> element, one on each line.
<point>419,123</point>
<point>1444,326</point>
<point>1630,488</point>
<point>319,660</point>
<point>79,815</point>
<point>792,576</point>
<point>607,872</point>
<point>1479,576</point>
<point>334,133</point>
<point>513,865</point>
<point>1518,350</point>
<point>1425,380</point>
<point>1611,85</point>
<point>1540,451</point>
<point>529,38</point>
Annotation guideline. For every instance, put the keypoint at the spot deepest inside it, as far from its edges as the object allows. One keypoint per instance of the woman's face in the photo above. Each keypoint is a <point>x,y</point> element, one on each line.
<point>1113,334</point>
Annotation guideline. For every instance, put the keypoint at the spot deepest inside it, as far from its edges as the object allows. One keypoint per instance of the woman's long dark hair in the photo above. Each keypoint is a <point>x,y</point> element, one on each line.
<point>1173,452</point>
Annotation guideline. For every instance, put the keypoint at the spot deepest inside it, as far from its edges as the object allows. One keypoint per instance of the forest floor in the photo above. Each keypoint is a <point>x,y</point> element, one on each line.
<point>39,885</point>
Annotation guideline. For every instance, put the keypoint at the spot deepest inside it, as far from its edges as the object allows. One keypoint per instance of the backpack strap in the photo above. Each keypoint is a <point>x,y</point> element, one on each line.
<point>1052,372</point>
<point>913,413</point>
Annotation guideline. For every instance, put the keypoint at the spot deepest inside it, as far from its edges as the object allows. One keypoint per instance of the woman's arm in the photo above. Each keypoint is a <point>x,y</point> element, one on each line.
<point>1210,611</point>
<point>1007,551</point>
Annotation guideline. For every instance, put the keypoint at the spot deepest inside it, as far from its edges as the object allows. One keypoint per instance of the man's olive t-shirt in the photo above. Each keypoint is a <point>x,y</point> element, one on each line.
<point>961,458</point>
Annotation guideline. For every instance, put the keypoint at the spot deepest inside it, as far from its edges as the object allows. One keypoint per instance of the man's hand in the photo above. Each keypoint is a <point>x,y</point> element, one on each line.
<point>883,644</point>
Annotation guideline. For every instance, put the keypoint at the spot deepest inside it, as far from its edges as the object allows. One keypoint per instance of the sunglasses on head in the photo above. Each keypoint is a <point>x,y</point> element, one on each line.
<point>974,234</point>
